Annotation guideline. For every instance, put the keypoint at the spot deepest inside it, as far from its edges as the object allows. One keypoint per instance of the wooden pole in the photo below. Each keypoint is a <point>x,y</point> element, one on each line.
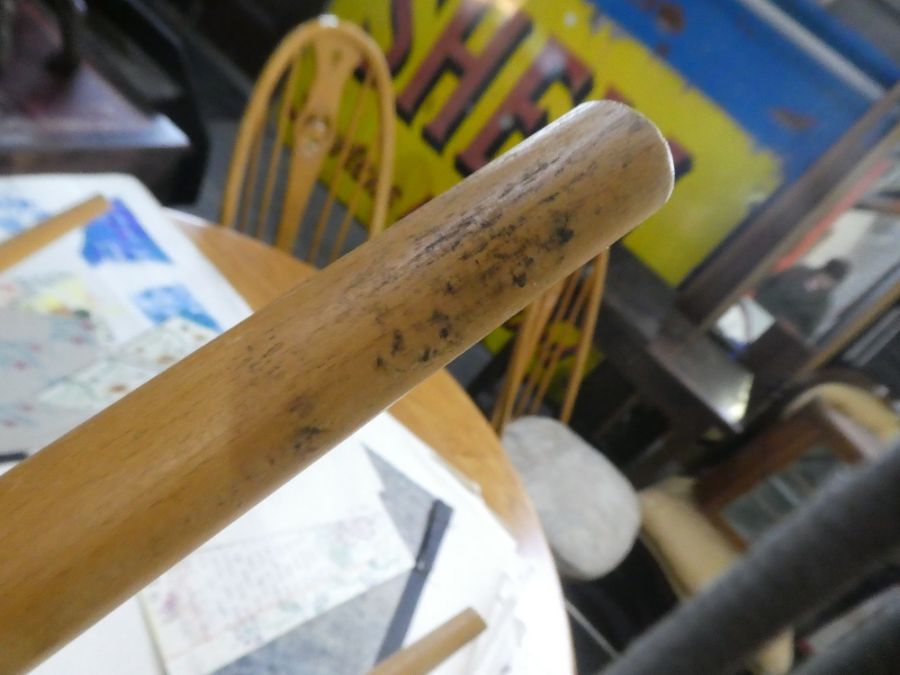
<point>95,516</point>
<point>429,652</point>
<point>21,246</point>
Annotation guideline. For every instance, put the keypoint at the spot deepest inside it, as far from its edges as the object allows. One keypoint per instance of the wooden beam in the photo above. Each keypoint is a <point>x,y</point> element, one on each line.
<point>21,246</point>
<point>95,516</point>
<point>427,653</point>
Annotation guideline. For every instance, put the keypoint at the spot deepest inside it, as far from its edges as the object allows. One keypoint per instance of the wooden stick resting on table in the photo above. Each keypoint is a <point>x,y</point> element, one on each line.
<point>30,241</point>
<point>426,654</point>
<point>95,516</point>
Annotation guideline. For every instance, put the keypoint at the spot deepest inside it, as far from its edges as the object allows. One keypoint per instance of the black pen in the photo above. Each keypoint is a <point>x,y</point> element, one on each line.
<point>438,521</point>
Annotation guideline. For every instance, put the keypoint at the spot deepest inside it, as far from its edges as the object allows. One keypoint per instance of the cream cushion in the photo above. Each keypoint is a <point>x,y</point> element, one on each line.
<point>588,510</point>
<point>693,553</point>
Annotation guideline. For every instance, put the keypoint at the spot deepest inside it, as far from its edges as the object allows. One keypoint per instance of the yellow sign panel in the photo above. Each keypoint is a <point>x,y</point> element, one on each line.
<point>474,77</point>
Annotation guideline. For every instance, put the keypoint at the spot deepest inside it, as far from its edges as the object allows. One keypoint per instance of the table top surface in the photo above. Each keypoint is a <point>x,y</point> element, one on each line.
<point>440,413</point>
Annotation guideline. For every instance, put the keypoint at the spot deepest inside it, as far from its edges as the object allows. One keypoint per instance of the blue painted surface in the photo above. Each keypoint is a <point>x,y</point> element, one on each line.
<point>116,236</point>
<point>847,41</point>
<point>164,302</point>
<point>18,213</point>
<point>786,100</point>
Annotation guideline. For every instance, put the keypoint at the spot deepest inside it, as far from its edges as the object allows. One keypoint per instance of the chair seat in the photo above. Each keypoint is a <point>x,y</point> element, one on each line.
<point>588,509</point>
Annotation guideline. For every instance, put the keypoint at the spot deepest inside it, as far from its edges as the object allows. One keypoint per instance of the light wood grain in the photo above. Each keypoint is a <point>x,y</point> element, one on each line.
<point>23,245</point>
<point>426,654</point>
<point>99,513</point>
<point>439,412</point>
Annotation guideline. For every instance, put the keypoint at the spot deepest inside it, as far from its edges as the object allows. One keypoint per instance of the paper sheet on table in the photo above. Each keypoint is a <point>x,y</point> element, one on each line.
<point>477,565</point>
<point>148,294</point>
<point>332,489</point>
<point>308,548</point>
<point>130,268</point>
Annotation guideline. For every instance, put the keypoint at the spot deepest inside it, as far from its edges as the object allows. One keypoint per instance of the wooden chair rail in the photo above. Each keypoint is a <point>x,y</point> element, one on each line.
<point>95,516</point>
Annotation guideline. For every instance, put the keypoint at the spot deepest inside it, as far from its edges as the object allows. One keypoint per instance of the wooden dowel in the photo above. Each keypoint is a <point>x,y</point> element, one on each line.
<point>597,282</point>
<point>98,514</point>
<point>425,654</point>
<point>30,241</point>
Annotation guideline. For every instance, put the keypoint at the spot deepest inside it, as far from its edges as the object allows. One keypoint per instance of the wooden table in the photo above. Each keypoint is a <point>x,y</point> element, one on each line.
<point>440,413</point>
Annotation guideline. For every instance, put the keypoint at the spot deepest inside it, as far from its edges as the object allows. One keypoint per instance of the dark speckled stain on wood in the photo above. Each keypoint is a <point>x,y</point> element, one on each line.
<point>305,436</point>
<point>274,349</point>
<point>538,169</point>
<point>490,221</point>
<point>442,321</point>
<point>490,272</point>
<point>301,405</point>
<point>438,316</point>
<point>459,233</point>
<point>506,263</point>
<point>481,246</point>
<point>398,344</point>
<point>507,231</point>
<point>562,233</point>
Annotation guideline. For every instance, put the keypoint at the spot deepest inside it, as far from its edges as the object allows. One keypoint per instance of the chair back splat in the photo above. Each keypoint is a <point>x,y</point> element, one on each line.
<point>319,126</point>
<point>541,345</point>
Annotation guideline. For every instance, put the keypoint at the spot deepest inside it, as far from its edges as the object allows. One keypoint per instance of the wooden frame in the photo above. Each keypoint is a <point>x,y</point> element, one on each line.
<point>737,266</point>
<point>770,451</point>
<point>779,355</point>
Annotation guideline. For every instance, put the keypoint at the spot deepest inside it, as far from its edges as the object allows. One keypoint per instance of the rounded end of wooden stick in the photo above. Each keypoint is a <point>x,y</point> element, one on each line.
<point>608,153</point>
<point>658,149</point>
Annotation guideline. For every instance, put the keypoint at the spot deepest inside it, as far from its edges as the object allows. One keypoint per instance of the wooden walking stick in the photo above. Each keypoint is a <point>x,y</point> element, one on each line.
<point>95,516</point>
